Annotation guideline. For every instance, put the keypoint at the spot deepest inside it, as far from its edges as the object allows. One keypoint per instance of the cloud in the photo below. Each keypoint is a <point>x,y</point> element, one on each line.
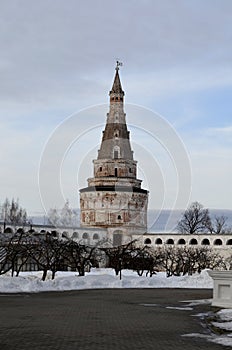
<point>223,131</point>
<point>60,53</point>
<point>59,58</point>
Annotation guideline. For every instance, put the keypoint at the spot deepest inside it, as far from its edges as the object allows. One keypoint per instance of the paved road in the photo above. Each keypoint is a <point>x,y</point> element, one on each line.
<point>102,319</point>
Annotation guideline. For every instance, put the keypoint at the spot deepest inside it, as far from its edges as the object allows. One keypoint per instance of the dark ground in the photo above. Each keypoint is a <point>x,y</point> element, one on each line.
<point>103,319</point>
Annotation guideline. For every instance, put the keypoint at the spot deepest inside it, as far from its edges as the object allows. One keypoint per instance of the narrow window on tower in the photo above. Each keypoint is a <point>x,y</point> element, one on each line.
<point>116,152</point>
<point>116,172</point>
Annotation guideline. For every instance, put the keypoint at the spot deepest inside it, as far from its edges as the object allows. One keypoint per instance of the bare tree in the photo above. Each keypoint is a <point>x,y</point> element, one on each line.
<point>13,213</point>
<point>12,252</point>
<point>146,260</point>
<point>209,259</point>
<point>218,225</point>
<point>169,261</point>
<point>53,217</point>
<point>66,215</point>
<point>189,260</point>
<point>80,257</point>
<point>62,217</point>
<point>119,257</point>
<point>195,219</point>
<point>5,261</point>
<point>47,252</point>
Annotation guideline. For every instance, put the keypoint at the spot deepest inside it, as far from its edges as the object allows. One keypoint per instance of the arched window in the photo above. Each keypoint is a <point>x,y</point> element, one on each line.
<point>181,241</point>
<point>205,241</point>
<point>158,241</point>
<point>8,230</point>
<point>218,241</point>
<point>20,230</point>
<point>170,241</point>
<point>229,242</point>
<point>116,133</point>
<point>85,235</point>
<point>193,241</point>
<point>119,217</point>
<point>54,233</point>
<point>116,172</point>
<point>95,236</point>
<point>100,169</point>
<point>65,234</point>
<point>147,241</point>
<point>75,235</point>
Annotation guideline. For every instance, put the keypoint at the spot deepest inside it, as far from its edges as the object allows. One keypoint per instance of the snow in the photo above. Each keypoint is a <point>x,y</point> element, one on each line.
<point>180,308</point>
<point>98,278</point>
<point>225,314</point>
<point>197,335</point>
<point>223,340</point>
<point>197,302</point>
<point>224,323</point>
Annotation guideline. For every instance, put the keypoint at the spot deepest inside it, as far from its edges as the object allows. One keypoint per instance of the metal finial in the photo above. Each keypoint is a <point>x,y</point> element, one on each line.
<point>118,64</point>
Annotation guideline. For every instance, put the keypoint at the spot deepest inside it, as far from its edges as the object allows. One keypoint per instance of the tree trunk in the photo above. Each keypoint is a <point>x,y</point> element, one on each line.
<point>81,271</point>
<point>44,274</point>
<point>53,274</point>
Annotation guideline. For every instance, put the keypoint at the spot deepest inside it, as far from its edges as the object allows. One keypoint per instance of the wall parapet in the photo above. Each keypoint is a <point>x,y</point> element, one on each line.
<point>178,239</point>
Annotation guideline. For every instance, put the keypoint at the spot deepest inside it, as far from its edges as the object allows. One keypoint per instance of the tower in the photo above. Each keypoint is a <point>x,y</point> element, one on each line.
<point>114,198</point>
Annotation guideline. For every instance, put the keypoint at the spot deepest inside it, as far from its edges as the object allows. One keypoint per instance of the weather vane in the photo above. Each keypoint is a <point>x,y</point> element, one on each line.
<point>118,64</point>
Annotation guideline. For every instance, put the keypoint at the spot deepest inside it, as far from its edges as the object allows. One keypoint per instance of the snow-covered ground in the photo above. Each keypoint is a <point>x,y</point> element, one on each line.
<point>98,278</point>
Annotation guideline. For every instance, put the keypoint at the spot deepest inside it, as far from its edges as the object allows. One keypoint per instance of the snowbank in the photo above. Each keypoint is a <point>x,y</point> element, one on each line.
<point>98,278</point>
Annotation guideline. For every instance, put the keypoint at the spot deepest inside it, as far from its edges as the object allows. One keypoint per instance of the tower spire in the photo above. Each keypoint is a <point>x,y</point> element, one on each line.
<point>115,139</point>
<point>117,90</point>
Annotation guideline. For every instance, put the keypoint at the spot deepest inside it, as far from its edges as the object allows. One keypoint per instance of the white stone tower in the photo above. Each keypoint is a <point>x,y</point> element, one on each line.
<point>114,198</point>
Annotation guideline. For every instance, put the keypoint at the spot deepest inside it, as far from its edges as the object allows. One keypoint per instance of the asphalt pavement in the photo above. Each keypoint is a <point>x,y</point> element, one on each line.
<point>112,319</point>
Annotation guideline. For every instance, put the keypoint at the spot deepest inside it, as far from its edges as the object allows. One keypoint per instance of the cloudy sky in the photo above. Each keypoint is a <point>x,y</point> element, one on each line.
<point>57,61</point>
